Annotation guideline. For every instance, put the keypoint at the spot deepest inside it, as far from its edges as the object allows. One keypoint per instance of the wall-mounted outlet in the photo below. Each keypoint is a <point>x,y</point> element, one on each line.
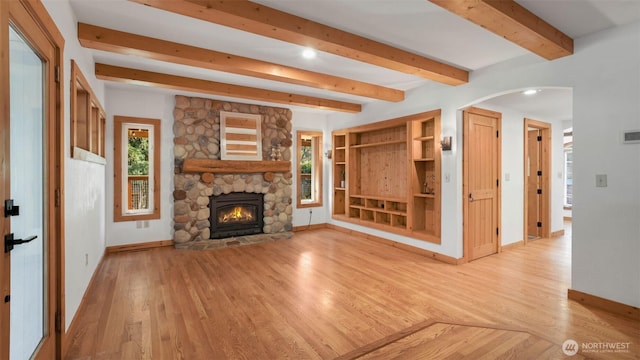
<point>142,224</point>
<point>310,211</point>
<point>447,177</point>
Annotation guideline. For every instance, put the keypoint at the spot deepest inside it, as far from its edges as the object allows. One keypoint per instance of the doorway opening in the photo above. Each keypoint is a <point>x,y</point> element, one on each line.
<point>537,167</point>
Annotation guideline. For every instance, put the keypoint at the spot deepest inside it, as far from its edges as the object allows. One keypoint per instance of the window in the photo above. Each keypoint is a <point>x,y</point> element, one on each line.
<point>568,175</point>
<point>136,168</point>
<point>87,120</point>
<point>568,168</point>
<point>309,159</point>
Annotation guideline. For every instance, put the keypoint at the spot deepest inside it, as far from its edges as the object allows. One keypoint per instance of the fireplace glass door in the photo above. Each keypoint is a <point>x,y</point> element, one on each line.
<point>236,214</point>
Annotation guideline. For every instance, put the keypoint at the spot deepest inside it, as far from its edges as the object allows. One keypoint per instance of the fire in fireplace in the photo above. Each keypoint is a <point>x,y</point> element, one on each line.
<point>236,214</point>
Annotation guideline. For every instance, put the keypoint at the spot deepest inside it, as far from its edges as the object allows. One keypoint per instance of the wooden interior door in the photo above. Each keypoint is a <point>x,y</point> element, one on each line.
<point>481,182</point>
<point>30,177</point>
<point>537,182</point>
<point>534,184</point>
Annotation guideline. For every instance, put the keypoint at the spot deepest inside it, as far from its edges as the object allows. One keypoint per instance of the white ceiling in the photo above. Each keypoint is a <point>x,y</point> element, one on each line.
<point>414,25</point>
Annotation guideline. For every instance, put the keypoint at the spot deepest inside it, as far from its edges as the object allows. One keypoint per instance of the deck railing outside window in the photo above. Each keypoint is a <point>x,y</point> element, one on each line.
<point>138,187</point>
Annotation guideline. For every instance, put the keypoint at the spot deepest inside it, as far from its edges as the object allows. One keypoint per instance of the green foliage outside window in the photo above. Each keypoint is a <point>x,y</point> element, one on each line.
<point>305,159</point>
<point>305,167</point>
<point>138,155</point>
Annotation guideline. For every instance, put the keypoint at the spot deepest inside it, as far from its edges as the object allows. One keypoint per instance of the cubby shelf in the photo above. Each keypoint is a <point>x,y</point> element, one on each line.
<point>386,168</point>
<point>425,195</point>
<point>378,144</point>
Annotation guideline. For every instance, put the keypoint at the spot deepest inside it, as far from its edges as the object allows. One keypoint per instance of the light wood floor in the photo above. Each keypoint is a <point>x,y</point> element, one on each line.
<point>325,295</point>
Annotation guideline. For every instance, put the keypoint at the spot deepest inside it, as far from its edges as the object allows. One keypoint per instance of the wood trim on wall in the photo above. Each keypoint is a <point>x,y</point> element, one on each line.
<point>310,227</point>
<point>138,246</point>
<point>611,306</point>
<point>512,246</point>
<point>430,254</point>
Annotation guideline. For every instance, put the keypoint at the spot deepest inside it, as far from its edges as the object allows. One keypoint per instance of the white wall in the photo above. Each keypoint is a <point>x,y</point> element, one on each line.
<point>138,102</point>
<point>606,230</point>
<point>604,74</point>
<point>84,182</point>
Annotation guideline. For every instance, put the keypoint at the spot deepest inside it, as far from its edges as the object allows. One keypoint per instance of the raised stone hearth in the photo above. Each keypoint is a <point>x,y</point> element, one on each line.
<point>234,241</point>
<point>199,174</point>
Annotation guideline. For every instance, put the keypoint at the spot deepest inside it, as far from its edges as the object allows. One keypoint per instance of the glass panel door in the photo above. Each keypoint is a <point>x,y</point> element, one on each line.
<point>27,116</point>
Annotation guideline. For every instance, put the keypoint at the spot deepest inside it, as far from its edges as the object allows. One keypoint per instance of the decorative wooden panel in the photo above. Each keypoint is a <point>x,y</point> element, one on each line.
<point>240,136</point>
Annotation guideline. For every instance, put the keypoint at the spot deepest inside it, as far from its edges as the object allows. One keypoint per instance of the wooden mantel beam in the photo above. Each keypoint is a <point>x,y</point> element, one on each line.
<point>100,38</point>
<point>265,21</point>
<point>513,22</point>
<point>148,78</point>
<point>234,166</point>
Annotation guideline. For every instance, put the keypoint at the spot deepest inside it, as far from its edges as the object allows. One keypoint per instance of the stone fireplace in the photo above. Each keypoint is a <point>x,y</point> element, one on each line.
<point>200,175</point>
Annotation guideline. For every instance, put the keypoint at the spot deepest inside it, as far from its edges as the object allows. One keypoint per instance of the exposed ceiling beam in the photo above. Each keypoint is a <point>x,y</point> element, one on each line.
<point>262,20</point>
<point>513,22</point>
<point>148,78</point>
<point>100,38</point>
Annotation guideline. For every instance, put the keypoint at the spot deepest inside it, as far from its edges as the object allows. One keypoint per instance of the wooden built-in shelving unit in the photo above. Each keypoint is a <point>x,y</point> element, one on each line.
<point>391,174</point>
<point>339,172</point>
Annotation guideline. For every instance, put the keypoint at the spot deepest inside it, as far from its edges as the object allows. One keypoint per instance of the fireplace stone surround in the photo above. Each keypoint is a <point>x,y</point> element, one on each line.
<point>197,136</point>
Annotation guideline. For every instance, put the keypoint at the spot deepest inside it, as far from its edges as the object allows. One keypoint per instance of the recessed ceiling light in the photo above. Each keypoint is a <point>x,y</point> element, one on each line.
<point>309,53</point>
<point>531,92</point>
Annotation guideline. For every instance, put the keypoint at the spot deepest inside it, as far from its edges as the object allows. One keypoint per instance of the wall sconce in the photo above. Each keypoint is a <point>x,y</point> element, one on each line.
<point>446,143</point>
<point>328,154</point>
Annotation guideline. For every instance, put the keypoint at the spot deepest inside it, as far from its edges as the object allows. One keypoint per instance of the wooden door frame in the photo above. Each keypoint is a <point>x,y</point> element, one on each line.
<point>465,178</point>
<point>545,158</point>
<point>55,167</point>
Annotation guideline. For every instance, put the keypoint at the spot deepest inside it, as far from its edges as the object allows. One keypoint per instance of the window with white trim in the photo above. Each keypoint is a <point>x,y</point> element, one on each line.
<point>136,168</point>
<point>309,156</point>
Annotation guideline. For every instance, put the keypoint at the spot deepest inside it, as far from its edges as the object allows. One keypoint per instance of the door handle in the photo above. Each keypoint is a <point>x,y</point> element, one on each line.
<point>470,197</point>
<point>9,241</point>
